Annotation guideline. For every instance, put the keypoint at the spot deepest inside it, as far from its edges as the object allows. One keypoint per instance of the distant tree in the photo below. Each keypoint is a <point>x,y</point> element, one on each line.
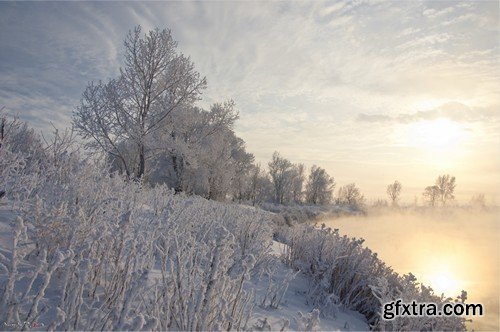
<point>297,182</point>
<point>260,187</point>
<point>393,191</point>
<point>351,196</point>
<point>446,186</point>
<point>441,192</point>
<point>380,203</point>
<point>431,195</point>
<point>154,82</point>
<point>478,200</point>
<point>320,186</point>
<point>243,166</point>
<point>281,171</point>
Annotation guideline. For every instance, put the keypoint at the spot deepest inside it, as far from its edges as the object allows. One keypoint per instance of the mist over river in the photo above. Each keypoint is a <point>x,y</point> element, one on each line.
<point>447,249</point>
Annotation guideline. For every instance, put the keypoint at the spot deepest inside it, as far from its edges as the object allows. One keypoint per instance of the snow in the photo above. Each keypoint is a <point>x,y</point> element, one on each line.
<point>6,217</point>
<point>294,301</point>
<point>274,279</point>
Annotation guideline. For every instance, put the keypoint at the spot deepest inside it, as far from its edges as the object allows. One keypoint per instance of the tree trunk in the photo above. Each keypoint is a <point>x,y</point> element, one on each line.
<point>178,169</point>
<point>142,162</point>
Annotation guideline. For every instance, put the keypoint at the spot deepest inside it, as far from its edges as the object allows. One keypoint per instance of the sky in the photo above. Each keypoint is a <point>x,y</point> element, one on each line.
<point>373,91</point>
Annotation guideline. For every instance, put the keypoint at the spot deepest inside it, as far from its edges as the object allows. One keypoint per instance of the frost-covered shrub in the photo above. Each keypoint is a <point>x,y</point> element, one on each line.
<point>277,284</point>
<point>94,252</point>
<point>409,290</point>
<point>344,273</point>
<point>308,322</point>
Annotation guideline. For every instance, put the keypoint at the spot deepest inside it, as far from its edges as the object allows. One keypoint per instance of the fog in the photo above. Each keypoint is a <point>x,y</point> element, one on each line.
<point>447,249</point>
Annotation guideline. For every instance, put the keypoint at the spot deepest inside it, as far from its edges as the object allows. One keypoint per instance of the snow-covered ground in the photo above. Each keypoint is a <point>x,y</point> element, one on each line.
<point>278,300</point>
<point>286,315</point>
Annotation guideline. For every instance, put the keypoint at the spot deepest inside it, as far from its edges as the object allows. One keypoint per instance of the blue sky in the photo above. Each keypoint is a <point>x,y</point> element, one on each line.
<point>352,86</point>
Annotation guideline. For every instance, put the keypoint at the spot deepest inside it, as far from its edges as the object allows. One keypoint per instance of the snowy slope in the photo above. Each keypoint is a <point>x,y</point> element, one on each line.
<point>281,313</point>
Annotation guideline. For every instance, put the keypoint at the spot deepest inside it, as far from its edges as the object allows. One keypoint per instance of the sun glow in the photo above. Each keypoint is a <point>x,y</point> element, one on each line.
<point>443,272</point>
<point>444,282</point>
<point>438,134</point>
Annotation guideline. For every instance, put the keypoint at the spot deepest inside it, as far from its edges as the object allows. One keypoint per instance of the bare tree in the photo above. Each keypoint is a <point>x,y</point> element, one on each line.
<point>446,186</point>
<point>394,190</point>
<point>431,195</point>
<point>320,186</point>
<point>351,196</point>
<point>154,81</point>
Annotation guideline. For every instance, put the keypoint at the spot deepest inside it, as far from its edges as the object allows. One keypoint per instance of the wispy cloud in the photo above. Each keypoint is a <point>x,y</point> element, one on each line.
<point>452,111</point>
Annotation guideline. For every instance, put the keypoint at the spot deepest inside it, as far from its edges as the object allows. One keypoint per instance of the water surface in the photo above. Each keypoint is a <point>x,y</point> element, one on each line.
<point>450,250</point>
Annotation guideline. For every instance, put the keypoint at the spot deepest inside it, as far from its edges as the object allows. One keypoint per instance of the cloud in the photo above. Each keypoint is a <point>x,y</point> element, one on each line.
<point>362,117</point>
<point>350,55</point>
<point>453,110</point>
<point>309,78</point>
<point>435,13</point>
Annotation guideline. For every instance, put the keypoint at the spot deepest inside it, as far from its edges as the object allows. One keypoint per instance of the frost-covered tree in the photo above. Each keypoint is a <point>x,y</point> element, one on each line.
<point>20,138</point>
<point>17,137</point>
<point>431,195</point>
<point>297,182</point>
<point>261,187</point>
<point>132,109</point>
<point>441,192</point>
<point>197,152</point>
<point>189,135</point>
<point>351,196</point>
<point>446,186</point>
<point>281,171</point>
<point>393,191</point>
<point>320,186</point>
<point>221,163</point>
<point>243,167</point>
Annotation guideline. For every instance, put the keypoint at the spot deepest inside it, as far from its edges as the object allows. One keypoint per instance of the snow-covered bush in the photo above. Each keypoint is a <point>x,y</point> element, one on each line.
<point>92,251</point>
<point>308,322</point>
<point>345,273</point>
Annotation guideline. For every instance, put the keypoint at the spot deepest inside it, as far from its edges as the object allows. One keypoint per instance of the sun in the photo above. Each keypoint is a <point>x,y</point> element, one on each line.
<point>439,134</point>
<point>444,282</point>
<point>442,272</point>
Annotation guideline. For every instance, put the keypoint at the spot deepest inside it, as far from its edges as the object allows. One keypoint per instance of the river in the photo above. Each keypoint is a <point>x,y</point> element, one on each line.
<point>450,250</point>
